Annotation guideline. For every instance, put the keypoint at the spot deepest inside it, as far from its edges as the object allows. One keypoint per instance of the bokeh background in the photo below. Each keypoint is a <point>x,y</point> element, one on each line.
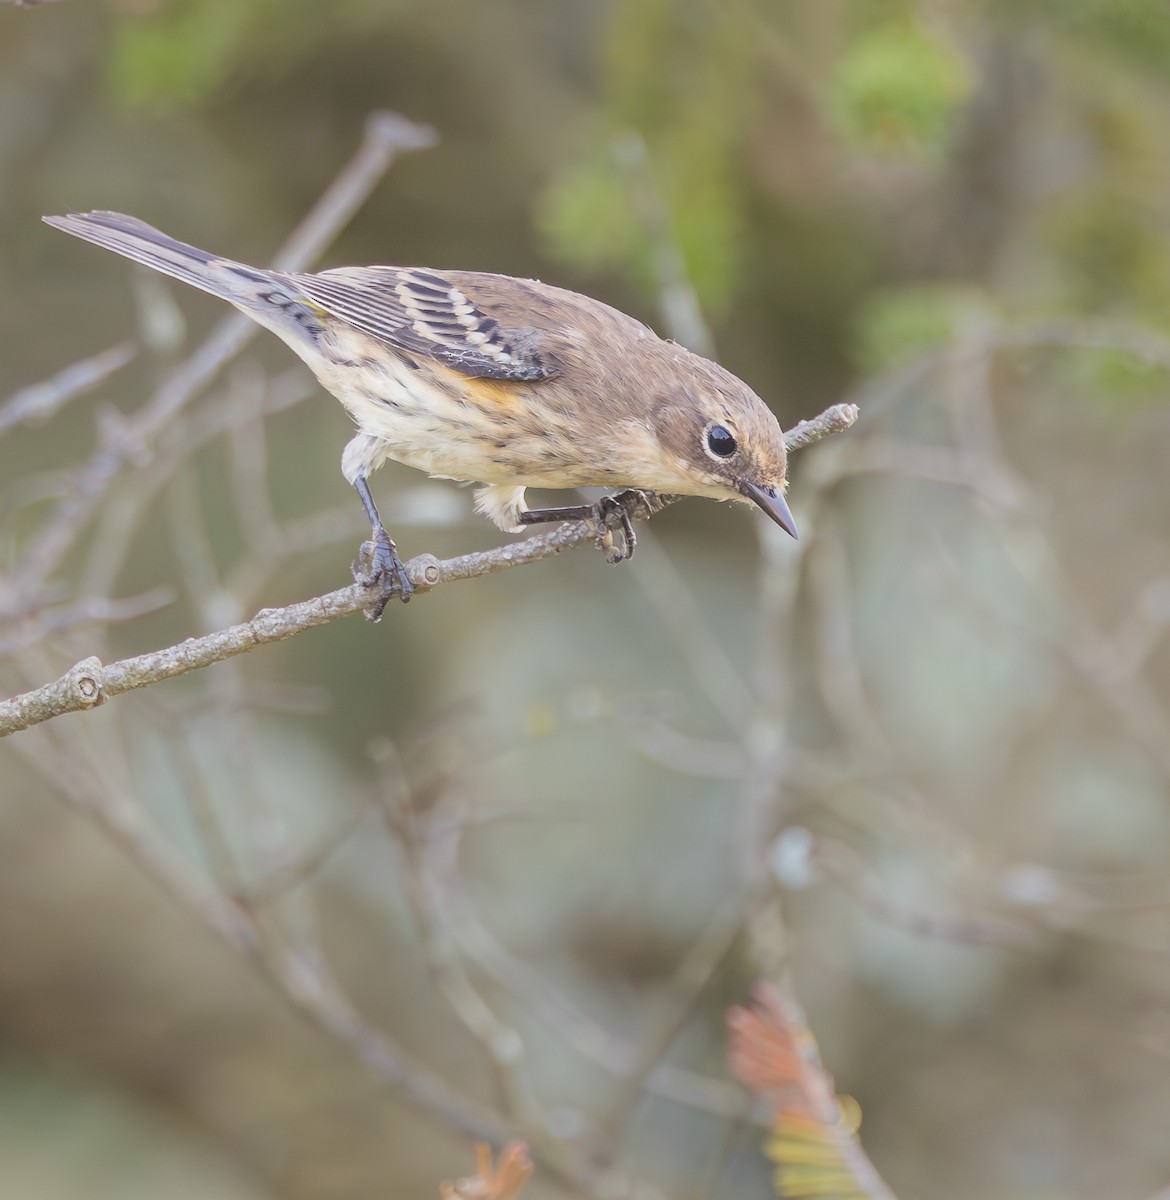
<point>542,828</point>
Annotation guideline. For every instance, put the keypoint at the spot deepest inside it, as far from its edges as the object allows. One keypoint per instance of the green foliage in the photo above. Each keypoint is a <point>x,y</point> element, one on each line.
<point>587,217</point>
<point>895,323</point>
<point>680,80</point>
<point>1105,235</point>
<point>676,166</point>
<point>1135,31</point>
<point>1112,256</point>
<point>608,212</point>
<point>1114,379</point>
<point>708,226</point>
<point>896,91</point>
<point>181,55</point>
<point>185,54</point>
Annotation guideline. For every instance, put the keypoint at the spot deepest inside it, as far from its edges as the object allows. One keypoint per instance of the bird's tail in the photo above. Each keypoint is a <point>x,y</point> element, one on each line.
<point>246,287</point>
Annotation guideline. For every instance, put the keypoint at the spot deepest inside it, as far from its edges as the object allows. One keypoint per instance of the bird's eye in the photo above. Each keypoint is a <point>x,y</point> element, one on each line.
<point>720,441</point>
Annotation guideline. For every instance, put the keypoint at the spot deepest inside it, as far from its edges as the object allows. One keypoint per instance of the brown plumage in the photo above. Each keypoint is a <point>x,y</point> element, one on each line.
<point>508,383</point>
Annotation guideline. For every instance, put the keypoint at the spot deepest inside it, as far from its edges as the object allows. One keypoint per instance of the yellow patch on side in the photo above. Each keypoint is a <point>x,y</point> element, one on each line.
<point>500,395</point>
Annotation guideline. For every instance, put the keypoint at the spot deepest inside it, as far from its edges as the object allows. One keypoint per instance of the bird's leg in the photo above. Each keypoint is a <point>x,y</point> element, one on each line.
<point>611,513</point>
<point>378,563</point>
<point>547,516</point>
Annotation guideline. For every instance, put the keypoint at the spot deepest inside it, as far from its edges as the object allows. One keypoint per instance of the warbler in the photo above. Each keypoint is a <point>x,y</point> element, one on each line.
<point>507,383</point>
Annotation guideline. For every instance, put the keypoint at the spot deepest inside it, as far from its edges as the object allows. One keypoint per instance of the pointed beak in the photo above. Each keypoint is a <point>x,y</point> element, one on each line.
<point>772,502</point>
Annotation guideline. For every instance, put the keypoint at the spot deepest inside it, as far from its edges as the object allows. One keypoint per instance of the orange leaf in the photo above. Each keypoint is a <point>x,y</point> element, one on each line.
<point>500,1182</point>
<point>814,1145</point>
<point>774,1055</point>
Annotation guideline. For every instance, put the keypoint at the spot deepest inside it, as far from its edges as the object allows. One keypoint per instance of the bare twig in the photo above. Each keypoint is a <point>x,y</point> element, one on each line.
<point>90,683</point>
<point>835,419</point>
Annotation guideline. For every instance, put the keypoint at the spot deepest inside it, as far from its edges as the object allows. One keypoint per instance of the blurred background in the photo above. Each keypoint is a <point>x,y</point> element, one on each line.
<point>303,924</point>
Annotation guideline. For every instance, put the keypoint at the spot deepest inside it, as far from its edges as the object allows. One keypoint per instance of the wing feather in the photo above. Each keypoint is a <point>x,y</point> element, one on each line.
<point>421,312</point>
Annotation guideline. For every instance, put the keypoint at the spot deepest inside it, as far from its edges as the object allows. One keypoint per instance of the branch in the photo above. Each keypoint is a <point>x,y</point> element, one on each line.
<point>40,401</point>
<point>90,683</point>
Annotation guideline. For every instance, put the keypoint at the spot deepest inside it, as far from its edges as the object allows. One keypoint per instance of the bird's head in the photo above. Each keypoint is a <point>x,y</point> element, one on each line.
<point>717,438</point>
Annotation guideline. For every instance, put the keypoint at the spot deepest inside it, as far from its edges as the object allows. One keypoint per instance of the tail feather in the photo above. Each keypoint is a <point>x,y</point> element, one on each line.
<point>151,247</point>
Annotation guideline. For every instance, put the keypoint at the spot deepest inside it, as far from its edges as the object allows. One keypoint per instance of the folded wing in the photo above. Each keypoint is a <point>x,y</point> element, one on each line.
<point>422,312</point>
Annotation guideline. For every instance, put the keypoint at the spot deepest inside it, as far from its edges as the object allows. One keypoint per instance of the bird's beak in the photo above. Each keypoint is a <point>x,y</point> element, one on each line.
<point>773,503</point>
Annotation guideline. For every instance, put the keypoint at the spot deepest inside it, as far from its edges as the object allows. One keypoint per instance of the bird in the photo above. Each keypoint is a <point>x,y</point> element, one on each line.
<point>488,379</point>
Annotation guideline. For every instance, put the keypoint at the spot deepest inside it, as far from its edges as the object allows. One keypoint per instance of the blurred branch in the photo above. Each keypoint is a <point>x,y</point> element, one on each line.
<point>849,869</point>
<point>502,1044</point>
<point>90,683</point>
<point>293,964</point>
<point>40,401</point>
<point>95,609</point>
<point>299,974</point>
<point>527,987</point>
<point>694,975</point>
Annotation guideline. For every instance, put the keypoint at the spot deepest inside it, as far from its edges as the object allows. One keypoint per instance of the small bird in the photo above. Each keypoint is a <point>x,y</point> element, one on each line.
<point>508,383</point>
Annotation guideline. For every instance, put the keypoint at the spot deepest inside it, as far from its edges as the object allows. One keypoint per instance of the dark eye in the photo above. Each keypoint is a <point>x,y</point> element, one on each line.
<point>720,441</point>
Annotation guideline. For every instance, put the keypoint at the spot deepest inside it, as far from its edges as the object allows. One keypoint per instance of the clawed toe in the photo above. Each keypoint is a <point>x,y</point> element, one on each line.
<point>616,513</point>
<point>613,517</point>
<point>378,566</point>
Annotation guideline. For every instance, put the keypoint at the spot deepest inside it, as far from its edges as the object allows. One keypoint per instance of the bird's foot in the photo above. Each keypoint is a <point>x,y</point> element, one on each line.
<point>611,515</point>
<point>616,514</point>
<point>378,566</point>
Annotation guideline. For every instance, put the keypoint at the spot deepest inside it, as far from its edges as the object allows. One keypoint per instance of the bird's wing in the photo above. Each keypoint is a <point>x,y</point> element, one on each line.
<point>422,312</point>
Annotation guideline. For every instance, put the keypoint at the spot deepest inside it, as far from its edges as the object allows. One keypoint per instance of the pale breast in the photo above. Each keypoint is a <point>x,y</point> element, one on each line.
<point>430,418</point>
